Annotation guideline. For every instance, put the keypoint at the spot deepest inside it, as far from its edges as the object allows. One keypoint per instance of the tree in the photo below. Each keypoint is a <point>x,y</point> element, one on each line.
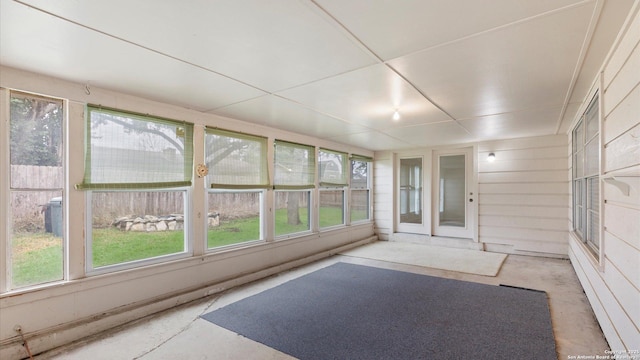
<point>35,131</point>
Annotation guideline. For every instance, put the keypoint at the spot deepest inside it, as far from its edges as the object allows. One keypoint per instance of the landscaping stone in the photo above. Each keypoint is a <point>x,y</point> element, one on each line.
<point>151,223</point>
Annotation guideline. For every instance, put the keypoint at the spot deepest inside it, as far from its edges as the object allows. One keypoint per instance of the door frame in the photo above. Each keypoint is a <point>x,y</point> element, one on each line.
<point>471,208</point>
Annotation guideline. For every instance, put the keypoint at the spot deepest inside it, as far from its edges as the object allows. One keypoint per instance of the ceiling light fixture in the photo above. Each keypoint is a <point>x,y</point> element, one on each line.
<point>492,157</point>
<point>396,115</point>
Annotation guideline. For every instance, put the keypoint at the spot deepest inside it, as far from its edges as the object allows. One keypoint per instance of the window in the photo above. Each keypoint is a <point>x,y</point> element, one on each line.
<point>411,190</point>
<point>360,188</point>
<point>586,176</point>
<point>294,177</point>
<point>333,181</point>
<point>36,221</point>
<point>237,178</point>
<point>138,170</point>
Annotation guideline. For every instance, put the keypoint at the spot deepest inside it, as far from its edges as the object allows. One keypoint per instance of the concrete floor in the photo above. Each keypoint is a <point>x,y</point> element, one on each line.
<point>179,333</point>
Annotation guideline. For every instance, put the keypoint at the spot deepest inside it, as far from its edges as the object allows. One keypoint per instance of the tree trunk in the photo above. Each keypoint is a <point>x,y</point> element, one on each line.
<point>293,213</point>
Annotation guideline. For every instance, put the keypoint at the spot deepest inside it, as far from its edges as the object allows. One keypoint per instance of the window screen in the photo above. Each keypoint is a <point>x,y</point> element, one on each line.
<point>333,168</point>
<point>294,166</point>
<point>235,160</point>
<point>132,151</point>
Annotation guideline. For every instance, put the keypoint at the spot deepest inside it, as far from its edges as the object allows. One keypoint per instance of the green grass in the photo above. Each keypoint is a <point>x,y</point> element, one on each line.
<point>112,246</point>
<point>37,257</point>
<point>331,216</point>
<point>234,232</point>
<point>282,225</point>
<point>358,215</point>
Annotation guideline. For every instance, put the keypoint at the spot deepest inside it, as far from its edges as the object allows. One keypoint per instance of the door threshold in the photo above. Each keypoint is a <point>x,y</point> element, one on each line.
<point>450,242</point>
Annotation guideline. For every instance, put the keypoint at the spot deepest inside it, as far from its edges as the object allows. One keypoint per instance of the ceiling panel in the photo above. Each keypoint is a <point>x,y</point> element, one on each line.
<point>432,134</point>
<point>280,113</point>
<point>368,97</point>
<point>518,124</point>
<point>396,28</point>
<point>59,48</point>
<point>373,140</point>
<point>457,71</point>
<point>612,12</point>
<point>272,45</point>
<point>523,66</point>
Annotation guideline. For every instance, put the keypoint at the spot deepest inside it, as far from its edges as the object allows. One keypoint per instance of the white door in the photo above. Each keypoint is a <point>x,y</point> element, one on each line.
<point>453,208</point>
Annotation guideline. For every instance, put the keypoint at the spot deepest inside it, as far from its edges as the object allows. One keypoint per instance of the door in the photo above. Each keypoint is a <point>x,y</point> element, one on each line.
<point>453,206</point>
<point>411,196</point>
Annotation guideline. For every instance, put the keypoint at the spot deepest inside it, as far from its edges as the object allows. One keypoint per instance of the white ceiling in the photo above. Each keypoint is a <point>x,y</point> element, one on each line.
<point>457,71</point>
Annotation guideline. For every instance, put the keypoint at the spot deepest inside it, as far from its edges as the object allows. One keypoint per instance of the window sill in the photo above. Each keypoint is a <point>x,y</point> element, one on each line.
<point>593,257</point>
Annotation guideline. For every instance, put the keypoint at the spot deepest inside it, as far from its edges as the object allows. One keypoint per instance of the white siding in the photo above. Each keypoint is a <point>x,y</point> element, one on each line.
<point>524,195</point>
<point>383,194</point>
<point>612,283</point>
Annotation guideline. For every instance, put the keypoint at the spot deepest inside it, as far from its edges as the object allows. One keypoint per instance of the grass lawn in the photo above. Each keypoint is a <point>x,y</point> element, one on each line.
<point>37,257</point>
<point>112,246</point>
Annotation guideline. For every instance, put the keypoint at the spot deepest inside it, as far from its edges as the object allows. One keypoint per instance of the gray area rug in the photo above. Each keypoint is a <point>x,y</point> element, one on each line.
<point>348,311</point>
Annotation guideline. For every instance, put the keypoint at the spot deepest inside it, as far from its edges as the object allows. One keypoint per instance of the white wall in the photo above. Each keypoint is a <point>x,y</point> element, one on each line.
<point>524,195</point>
<point>612,281</point>
<point>55,314</point>
<point>383,194</point>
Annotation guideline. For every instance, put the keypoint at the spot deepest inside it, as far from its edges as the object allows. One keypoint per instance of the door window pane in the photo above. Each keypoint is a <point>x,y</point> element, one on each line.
<point>452,191</point>
<point>411,191</point>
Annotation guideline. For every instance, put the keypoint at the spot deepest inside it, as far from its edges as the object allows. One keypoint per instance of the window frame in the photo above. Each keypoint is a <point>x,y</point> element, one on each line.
<point>258,187</point>
<point>341,184</point>
<point>582,199</point>
<point>90,270</point>
<point>185,186</point>
<point>367,188</point>
<point>309,173</point>
<point>310,214</point>
<point>262,230</point>
<point>6,191</point>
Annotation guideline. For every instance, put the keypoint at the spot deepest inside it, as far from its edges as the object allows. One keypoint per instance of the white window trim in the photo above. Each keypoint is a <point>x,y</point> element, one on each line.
<point>312,214</point>
<point>345,206</point>
<point>369,197</point>
<point>598,259</point>
<point>263,229</point>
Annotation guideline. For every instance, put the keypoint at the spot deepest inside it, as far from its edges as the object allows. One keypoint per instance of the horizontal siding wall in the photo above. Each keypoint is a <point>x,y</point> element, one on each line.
<point>383,194</point>
<point>524,195</point>
<point>613,286</point>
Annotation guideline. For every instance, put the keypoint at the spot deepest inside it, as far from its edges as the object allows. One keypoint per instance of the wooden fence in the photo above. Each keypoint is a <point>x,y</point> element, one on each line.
<point>34,187</point>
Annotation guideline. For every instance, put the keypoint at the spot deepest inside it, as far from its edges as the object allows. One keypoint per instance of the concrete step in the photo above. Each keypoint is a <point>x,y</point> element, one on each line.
<point>450,242</point>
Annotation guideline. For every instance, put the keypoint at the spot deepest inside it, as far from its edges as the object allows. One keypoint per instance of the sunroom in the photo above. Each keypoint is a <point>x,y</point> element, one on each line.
<point>156,153</point>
